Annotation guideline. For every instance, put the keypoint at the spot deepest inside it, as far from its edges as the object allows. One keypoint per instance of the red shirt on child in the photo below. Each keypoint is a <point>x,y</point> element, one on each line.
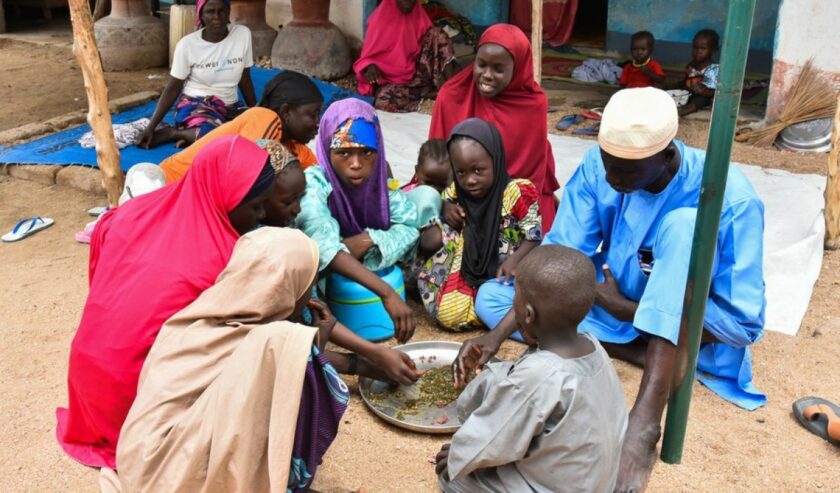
<point>634,77</point>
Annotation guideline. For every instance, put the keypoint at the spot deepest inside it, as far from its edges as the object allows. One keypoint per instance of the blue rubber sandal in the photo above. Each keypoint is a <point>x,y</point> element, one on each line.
<point>588,131</point>
<point>26,227</point>
<point>567,121</point>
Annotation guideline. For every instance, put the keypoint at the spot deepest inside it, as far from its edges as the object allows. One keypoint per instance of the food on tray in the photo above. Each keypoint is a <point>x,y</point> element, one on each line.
<point>435,391</point>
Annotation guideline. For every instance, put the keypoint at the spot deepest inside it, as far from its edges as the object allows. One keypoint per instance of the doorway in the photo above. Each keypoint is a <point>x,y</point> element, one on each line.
<point>590,29</point>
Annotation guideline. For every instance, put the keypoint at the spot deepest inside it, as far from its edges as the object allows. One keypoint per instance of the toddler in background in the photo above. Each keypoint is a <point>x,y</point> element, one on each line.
<point>555,419</point>
<point>642,70</point>
<point>432,174</point>
<point>701,74</point>
<point>432,168</point>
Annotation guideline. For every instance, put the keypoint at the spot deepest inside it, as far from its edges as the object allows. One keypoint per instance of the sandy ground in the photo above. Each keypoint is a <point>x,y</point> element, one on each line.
<point>45,279</point>
<point>45,284</point>
<point>54,86</point>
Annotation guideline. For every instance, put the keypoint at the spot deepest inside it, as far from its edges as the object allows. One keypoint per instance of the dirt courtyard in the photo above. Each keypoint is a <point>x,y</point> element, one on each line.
<point>45,285</point>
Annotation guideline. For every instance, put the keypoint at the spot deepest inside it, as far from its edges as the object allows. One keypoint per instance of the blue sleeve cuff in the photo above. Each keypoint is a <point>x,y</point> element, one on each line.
<point>658,323</point>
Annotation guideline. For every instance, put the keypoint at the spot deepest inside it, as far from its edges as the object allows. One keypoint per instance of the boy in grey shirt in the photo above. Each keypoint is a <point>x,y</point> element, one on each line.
<point>554,420</point>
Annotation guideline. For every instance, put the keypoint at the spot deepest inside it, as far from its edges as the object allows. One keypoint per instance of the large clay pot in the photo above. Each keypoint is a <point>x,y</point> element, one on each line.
<point>251,13</point>
<point>311,44</point>
<point>130,38</point>
<point>311,12</point>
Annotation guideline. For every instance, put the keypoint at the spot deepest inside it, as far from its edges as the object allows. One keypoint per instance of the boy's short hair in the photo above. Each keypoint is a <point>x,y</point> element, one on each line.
<point>559,282</point>
<point>434,149</point>
<point>646,35</point>
<point>711,35</point>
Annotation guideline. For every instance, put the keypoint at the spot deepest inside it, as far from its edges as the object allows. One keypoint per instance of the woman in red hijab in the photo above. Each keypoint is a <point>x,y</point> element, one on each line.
<point>500,89</point>
<point>149,259</point>
<point>404,57</point>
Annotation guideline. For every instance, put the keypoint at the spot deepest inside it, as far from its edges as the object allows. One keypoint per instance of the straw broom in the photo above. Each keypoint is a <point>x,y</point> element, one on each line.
<point>811,97</point>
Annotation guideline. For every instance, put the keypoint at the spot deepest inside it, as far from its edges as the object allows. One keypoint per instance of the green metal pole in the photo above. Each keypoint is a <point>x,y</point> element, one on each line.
<point>736,40</point>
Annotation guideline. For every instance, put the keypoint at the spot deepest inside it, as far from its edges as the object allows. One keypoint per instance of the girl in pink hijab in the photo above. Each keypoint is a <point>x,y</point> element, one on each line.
<point>149,259</point>
<point>404,57</point>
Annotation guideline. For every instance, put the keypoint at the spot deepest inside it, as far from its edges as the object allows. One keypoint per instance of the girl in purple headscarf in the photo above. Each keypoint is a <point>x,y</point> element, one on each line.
<point>360,226</point>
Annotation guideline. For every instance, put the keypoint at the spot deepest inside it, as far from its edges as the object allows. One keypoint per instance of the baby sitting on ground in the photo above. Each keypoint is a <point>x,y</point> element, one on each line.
<point>557,415</point>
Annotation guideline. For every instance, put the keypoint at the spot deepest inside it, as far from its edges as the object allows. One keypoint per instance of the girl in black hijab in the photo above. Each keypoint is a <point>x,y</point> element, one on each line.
<point>490,222</point>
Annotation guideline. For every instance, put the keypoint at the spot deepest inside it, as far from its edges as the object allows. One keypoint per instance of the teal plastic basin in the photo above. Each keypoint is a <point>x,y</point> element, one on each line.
<point>359,308</point>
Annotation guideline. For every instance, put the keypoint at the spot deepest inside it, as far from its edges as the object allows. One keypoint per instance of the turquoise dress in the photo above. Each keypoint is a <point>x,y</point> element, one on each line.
<point>390,246</point>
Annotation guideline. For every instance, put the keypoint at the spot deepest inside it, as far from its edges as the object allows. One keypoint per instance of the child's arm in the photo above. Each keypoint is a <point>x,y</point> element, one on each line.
<point>390,245</point>
<point>625,74</point>
<point>431,240</point>
<point>316,220</point>
<point>396,365</point>
<point>702,90</point>
<point>527,212</point>
<point>654,71</point>
<point>453,215</point>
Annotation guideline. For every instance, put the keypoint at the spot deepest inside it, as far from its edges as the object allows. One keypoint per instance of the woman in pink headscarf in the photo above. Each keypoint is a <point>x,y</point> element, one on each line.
<point>149,259</point>
<point>404,57</point>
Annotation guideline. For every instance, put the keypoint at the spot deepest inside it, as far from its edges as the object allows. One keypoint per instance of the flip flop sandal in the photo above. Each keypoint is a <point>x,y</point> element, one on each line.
<point>593,114</point>
<point>567,121</point>
<point>820,417</point>
<point>743,134</point>
<point>86,234</point>
<point>588,131</point>
<point>26,227</point>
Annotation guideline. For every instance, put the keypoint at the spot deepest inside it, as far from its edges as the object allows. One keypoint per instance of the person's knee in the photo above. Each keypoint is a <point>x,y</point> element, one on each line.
<point>493,301</point>
<point>265,336</point>
<point>678,227</point>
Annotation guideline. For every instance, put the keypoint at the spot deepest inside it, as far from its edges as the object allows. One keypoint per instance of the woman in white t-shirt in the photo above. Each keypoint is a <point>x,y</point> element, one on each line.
<point>207,68</point>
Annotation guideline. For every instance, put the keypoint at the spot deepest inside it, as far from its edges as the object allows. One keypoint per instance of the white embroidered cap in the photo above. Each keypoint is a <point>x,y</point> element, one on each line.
<point>638,123</point>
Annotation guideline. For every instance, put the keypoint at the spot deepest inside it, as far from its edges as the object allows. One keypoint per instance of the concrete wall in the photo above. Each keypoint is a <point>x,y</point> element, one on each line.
<point>346,14</point>
<point>482,13</point>
<point>351,15</point>
<point>674,24</point>
<point>807,29</point>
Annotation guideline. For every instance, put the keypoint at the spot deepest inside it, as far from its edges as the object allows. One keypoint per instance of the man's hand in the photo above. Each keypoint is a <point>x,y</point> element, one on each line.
<point>608,296</point>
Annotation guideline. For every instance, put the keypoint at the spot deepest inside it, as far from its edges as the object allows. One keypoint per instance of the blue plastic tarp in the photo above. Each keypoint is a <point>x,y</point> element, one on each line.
<point>63,147</point>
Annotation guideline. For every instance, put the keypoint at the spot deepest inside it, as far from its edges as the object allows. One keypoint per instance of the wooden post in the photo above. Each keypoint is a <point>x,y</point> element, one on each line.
<point>537,37</point>
<point>99,118</point>
<point>832,187</point>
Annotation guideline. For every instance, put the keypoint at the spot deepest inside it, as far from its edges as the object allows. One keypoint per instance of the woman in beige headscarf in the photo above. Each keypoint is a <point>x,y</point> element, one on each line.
<point>233,397</point>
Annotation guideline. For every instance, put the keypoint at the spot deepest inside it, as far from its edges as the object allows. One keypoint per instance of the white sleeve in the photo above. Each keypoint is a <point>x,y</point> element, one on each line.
<point>180,61</point>
<point>248,52</point>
